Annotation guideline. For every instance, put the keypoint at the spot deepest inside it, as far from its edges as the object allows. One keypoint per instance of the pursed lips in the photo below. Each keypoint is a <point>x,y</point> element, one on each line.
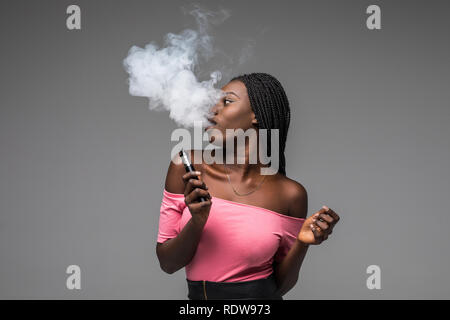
<point>212,124</point>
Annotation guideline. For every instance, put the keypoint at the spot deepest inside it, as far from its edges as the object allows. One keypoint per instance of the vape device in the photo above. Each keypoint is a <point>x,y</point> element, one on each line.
<point>189,167</point>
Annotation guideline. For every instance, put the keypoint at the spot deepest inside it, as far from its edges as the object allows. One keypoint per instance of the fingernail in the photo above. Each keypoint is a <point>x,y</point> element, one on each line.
<point>198,172</point>
<point>326,208</point>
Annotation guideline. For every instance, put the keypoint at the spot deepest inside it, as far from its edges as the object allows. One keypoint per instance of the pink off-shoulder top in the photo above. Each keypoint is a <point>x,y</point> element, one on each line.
<point>239,242</point>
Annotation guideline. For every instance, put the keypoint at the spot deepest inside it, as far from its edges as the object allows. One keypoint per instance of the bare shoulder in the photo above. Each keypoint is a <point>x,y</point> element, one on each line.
<point>174,181</point>
<point>296,196</point>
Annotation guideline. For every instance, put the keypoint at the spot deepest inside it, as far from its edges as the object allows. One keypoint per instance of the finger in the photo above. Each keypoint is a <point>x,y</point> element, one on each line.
<point>325,217</point>
<point>193,184</point>
<point>198,205</point>
<point>326,234</point>
<point>317,235</point>
<point>191,175</point>
<point>323,225</point>
<point>196,194</point>
<point>188,176</point>
<point>316,231</point>
<point>321,229</point>
<point>328,230</point>
<point>331,213</point>
<point>330,220</point>
<point>316,215</point>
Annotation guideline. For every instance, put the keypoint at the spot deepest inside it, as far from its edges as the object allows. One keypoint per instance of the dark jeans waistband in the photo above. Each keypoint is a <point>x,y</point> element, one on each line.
<point>264,289</point>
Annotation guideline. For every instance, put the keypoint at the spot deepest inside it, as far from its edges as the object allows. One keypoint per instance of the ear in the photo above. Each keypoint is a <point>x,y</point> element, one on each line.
<point>254,121</point>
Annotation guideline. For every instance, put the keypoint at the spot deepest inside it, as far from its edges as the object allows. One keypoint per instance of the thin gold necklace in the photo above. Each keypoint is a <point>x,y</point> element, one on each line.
<point>242,194</point>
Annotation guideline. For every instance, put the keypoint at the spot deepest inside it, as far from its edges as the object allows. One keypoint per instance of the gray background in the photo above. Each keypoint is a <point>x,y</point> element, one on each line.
<point>83,163</point>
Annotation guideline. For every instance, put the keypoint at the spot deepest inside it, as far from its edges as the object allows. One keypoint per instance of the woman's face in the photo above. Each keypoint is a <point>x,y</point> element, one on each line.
<point>233,111</point>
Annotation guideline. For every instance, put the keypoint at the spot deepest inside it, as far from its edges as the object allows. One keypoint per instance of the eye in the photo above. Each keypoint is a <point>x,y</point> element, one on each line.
<point>225,101</point>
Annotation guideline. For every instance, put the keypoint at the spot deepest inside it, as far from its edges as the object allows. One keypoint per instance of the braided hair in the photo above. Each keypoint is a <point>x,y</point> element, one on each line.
<point>270,104</point>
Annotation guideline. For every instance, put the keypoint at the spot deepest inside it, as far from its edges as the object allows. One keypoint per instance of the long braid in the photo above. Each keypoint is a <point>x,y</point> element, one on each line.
<point>271,107</point>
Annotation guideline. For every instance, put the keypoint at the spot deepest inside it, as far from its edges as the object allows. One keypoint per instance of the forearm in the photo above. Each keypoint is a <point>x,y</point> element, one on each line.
<point>286,272</point>
<point>179,251</point>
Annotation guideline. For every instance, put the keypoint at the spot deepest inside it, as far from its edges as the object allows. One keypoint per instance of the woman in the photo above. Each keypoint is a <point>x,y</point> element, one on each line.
<point>249,238</point>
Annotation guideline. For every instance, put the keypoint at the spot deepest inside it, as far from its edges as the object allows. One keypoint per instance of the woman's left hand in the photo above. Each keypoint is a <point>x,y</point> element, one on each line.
<point>318,227</point>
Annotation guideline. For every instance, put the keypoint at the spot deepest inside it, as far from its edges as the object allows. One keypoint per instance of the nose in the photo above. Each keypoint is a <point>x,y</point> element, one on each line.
<point>215,109</point>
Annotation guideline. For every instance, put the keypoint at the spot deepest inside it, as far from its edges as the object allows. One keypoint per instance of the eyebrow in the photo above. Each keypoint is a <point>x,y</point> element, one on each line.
<point>231,92</point>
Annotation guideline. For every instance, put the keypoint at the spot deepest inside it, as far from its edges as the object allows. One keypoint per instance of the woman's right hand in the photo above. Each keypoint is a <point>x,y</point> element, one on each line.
<point>193,190</point>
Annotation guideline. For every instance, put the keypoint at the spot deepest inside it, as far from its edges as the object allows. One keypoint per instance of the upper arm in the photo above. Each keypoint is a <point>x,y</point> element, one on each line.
<point>174,181</point>
<point>298,200</point>
<point>174,184</point>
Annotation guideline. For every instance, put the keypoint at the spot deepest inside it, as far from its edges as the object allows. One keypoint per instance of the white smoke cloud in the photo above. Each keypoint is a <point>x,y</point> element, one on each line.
<point>166,75</point>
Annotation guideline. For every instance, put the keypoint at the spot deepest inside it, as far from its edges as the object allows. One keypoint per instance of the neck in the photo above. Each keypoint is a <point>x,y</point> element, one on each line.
<point>240,161</point>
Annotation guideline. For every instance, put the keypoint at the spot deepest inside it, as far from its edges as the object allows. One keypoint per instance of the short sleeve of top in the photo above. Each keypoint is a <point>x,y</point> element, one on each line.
<point>291,228</point>
<point>172,206</point>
